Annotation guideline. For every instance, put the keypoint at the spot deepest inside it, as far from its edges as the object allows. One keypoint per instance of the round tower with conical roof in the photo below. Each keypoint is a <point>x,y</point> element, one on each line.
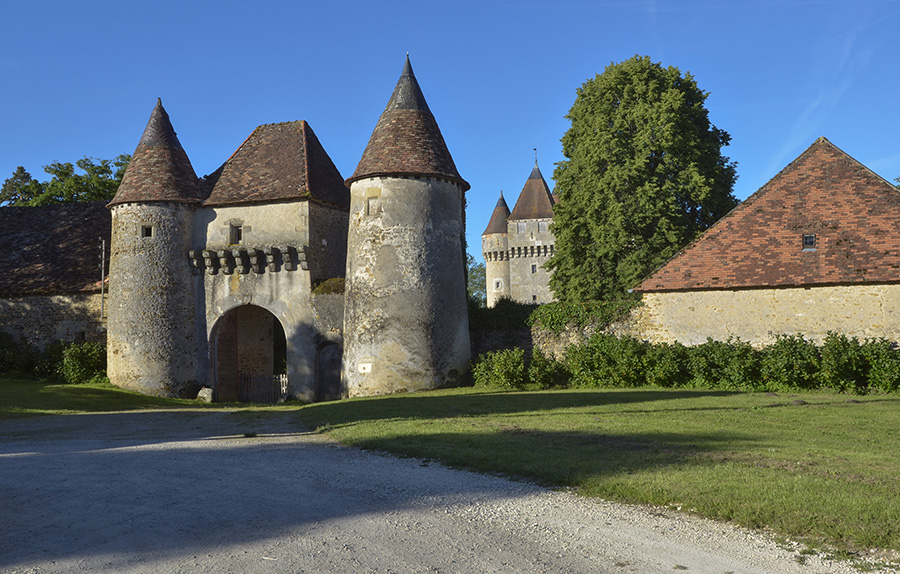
<point>152,341</point>
<point>495,248</point>
<point>405,314</point>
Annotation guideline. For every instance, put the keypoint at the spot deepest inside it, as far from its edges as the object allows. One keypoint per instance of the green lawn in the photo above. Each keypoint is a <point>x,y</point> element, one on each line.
<point>820,467</point>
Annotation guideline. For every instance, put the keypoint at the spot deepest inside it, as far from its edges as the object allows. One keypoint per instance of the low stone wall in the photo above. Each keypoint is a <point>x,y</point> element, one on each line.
<point>44,319</point>
<point>758,315</point>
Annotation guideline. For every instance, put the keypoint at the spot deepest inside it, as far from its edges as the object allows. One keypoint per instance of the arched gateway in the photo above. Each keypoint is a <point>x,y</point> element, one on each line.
<point>249,356</point>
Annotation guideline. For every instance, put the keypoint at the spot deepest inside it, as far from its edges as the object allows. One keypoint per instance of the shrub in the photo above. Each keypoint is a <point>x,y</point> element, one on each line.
<point>48,363</point>
<point>843,367</point>
<point>666,365</point>
<point>501,369</point>
<point>883,374</point>
<point>555,316</point>
<point>82,361</point>
<point>790,363</point>
<point>546,372</point>
<point>15,356</point>
<point>606,361</point>
<point>730,365</point>
<point>506,314</point>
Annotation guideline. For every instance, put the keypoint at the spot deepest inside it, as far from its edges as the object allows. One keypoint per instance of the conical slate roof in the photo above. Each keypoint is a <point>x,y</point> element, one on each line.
<point>406,139</point>
<point>497,224</point>
<point>278,162</point>
<point>535,201</point>
<point>160,169</point>
<point>848,214</point>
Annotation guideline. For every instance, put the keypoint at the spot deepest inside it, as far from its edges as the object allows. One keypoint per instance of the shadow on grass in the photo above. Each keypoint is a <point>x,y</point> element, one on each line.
<point>433,405</point>
<point>21,397</point>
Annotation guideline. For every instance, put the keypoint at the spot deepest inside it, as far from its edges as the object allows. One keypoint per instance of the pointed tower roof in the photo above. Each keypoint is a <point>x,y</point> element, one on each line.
<point>535,201</point>
<point>848,214</point>
<point>406,139</point>
<point>278,162</point>
<point>160,169</point>
<point>497,224</point>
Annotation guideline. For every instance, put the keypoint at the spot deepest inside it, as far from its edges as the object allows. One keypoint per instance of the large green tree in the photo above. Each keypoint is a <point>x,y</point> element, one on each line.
<point>644,175</point>
<point>476,286</point>
<point>98,181</point>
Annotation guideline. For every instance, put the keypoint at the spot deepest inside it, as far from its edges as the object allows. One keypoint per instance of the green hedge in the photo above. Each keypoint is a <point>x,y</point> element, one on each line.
<point>791,363</point>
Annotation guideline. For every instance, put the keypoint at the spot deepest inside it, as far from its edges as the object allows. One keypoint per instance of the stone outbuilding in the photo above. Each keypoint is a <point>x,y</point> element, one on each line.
<point>51,289</point>
<point>816,249</point>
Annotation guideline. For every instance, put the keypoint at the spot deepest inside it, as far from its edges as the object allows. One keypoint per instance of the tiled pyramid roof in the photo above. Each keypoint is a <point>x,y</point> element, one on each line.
<point>53,249</point>
<point>535,201</point>
<point>278,162</point>
<point>853,213</point>
<point>406,139</point>
<point>160,169</point>
<point>497,224</point>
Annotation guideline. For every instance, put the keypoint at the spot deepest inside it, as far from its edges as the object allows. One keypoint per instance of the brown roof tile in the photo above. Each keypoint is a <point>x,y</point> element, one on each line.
<point>535,201</point>
<point>278,162</point>
<point>853,213</point>
<point>497,224</point>
<point>406,139</point>
<point>160,169</point>
<point>52,249</point>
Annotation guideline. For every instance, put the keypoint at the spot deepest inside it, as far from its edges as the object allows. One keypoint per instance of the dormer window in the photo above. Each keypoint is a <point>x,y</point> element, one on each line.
<point>809,242</point>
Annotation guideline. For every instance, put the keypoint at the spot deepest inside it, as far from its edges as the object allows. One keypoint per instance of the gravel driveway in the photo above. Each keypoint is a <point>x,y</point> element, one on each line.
<point>186,491</point>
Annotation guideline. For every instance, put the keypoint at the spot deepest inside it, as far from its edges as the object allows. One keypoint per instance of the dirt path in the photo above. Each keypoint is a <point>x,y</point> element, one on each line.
<point>181,491</point>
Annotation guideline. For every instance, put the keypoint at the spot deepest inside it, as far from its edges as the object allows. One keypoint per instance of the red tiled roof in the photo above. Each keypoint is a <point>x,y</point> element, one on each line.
<point>853,213</point>
<point>278,162</point>
<point>497,224</point>
<point>160,169</point>
<point>535,201</point>
<point>406,139</point>
<point>53,249</point>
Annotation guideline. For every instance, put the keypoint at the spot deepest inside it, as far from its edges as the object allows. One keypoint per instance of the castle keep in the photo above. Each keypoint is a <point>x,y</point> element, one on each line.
<point>516,245</point>
<point>222,281</point>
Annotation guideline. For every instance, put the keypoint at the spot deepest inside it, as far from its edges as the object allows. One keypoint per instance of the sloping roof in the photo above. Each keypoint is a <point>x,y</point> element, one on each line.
<point>406,139</point>
<point>278,162</point>
<point>160,169</point>
<point>52,249</point>
<point>853,213</point>
<point>535,201</point>
<point>497,224</point>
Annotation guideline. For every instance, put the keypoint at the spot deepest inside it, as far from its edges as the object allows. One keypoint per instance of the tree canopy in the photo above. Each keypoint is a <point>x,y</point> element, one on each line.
<point>644,175</point>
<point>476,286</point>
<point>98,182</point>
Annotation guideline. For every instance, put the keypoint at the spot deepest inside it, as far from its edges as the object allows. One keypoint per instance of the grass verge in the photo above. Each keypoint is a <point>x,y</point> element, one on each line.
<point>817,467</point>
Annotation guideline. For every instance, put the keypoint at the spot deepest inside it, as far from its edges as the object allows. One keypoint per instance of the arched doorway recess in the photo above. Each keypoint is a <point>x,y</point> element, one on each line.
<point>249,356</point>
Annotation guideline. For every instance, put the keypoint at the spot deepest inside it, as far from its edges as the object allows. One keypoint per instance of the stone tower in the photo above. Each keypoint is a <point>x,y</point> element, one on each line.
<point>152,342</point>
<point>405,313</point>
<point>495,248</point>
<point>531,242</point>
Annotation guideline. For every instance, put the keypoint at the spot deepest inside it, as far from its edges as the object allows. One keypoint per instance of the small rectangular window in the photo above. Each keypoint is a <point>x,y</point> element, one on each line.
<point>236,234</point>
<point>146,231</point>
<point>534,268</point>
<point>809,242</point>
<point>542,226</point>
<point>520,227</point>
<point>534,298</point>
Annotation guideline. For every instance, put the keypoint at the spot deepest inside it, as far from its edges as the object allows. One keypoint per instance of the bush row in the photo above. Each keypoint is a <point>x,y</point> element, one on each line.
<point>791,363</point>
<point>72,363</point>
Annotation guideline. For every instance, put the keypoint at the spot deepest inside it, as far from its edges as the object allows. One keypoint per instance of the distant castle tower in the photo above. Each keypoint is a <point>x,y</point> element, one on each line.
<point>405,314</point>
<point>151,326</point>
<point>517,245</point>
<point>495,248</point>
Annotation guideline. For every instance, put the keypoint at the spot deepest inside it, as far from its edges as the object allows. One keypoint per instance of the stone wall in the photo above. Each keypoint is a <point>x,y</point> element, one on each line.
<point>757,315</point>
<point>44,319</point>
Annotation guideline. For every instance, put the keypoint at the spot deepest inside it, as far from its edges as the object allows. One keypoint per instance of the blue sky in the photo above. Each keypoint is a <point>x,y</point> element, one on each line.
<point>82,77</point>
